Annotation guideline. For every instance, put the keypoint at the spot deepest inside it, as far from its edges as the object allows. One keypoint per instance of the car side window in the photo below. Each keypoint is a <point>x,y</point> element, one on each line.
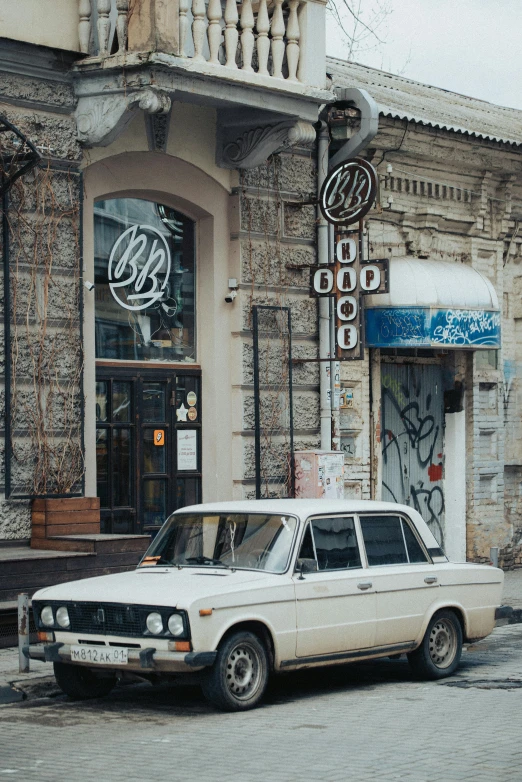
<point>384,540</point>
<point>390,541</point>
<point>415,552</point>
<point>335,543</point>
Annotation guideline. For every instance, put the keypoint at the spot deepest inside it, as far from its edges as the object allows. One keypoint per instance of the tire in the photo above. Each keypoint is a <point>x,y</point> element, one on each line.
<point>439,653</point>
<point>238,679</point>
<point>81,683</point>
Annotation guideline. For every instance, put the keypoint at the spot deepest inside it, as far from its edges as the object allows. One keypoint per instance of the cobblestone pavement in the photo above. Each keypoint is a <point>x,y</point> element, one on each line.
<point>512,595</point>
<point>364,722</point>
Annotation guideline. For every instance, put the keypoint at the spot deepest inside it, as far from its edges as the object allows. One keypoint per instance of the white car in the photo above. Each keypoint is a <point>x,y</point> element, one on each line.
<point>238,590</point>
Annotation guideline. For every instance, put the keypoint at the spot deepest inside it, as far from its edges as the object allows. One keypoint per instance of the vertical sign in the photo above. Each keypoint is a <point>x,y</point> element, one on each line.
<point>347,195</point>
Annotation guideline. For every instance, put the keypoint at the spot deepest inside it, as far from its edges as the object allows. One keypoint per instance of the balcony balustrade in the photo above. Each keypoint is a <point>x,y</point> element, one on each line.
<point>273,38</point>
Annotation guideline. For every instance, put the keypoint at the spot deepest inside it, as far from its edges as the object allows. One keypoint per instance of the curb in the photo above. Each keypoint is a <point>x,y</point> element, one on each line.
<point>506,615</point>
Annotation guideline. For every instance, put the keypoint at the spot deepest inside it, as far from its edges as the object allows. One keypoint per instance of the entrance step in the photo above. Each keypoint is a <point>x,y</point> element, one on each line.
<point>93,544</point>
<point>66,558</point>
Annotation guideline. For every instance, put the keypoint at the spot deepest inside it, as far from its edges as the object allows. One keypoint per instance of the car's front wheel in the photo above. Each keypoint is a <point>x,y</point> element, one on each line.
<point>81,683</point>
<point>439,653</point>
<point>237,681</point>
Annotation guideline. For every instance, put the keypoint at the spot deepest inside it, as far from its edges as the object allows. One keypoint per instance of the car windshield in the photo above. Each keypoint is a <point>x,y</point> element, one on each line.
<point>252,541</point>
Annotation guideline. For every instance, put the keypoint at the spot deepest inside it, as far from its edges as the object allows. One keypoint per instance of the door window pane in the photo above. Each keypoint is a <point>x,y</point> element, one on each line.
<point>383,540</point>
<point>154,455</point>
<point>154,503</point>
<point>102,467</point>
<point>145,281</point>
<point>154,402</point>
<point>121,402</point>
<point>415,552</point>
<point>121,468</point>
<point>102,411</point>
<point>335,543</point>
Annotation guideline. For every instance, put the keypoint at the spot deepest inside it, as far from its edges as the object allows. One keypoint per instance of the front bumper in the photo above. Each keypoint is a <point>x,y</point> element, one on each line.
<point>150,660</point>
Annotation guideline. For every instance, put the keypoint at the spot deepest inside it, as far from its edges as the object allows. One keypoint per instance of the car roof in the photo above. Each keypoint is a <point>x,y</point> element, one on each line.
<point>303,508</point>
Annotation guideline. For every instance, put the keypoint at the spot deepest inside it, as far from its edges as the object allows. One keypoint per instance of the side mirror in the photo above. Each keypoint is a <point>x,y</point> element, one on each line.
<point>306,566</point>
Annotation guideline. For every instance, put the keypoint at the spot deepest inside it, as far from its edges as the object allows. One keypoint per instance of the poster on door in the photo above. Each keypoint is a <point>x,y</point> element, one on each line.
<point>187,449</point>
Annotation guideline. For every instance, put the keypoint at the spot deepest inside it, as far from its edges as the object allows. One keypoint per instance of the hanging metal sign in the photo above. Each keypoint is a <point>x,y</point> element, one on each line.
<point>139,267</point>
<point>348,192</point>
<point>348,280</point>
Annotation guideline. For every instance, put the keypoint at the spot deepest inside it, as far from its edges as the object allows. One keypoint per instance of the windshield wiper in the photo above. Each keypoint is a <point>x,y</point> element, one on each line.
<point>206,561</point>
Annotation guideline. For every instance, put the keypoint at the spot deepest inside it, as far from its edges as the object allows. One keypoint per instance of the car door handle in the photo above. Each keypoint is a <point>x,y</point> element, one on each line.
<point>430,580</point>
<point>364,585</point>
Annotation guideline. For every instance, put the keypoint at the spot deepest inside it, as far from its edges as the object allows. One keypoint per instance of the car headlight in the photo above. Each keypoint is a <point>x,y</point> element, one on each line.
<point>155,623</point>
<point>47,616</point>
<point>176,624</point>
<point>62,617</point>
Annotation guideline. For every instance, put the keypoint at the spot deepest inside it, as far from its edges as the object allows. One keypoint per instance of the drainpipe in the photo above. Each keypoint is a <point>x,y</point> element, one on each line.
<point>324,301</point>
<point>329,400</point>
<point>363,101</point>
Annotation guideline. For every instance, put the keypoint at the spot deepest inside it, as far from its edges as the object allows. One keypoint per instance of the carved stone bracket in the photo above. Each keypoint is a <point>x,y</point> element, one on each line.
<point>255,145</point>
<point>101,118</point>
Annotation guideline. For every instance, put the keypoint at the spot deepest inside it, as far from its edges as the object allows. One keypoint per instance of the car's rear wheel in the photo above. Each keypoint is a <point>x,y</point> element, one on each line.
<point>439,653</point>
<point>81,683</point>
<point>237,681</point>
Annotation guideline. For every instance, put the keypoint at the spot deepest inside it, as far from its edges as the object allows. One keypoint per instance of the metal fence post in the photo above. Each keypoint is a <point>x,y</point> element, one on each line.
<point>23,631</point>
<point>493,555</point>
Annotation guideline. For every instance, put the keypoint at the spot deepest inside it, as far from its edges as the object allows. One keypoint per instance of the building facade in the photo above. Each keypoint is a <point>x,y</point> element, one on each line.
<point>160,344</point>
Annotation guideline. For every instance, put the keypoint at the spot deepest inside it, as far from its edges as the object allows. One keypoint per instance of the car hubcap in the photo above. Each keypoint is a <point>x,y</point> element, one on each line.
<point>443,643</point>
<point>243,671</point>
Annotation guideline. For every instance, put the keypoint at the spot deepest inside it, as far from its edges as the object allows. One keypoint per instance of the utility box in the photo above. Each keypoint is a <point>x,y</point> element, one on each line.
<point>319,474</point>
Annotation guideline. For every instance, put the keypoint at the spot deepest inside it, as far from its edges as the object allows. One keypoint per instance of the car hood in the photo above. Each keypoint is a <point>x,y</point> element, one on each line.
<point>160,586</point>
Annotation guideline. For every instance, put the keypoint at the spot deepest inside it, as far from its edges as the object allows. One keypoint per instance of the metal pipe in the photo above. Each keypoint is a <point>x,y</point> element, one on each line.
<point>23,631</point>
<point>324,302</point>
<point>493,555</point>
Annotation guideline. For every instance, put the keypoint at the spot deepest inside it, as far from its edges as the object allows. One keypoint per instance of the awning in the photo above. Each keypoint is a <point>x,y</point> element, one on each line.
<point>433,304</point>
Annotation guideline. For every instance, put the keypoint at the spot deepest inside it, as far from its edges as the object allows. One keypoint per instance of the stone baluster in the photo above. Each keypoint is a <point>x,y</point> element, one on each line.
<point>198,28</point>
<point>183,25</point>
<point>231,33</point>
<point>247,36</point>
<point>277,29</point>
<point>293,35</point>
<point>122,24</point>
<point>214,29</point>
<point>104,26</point>
<point>263,43</point>
<point>84,26</point>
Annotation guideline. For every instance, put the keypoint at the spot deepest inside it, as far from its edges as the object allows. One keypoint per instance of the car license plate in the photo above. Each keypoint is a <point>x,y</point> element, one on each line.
<point>101,655</point>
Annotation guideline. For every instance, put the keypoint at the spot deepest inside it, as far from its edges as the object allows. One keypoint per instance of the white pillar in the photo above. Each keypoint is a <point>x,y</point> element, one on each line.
<point>312,28</point>
<point>455,486</point>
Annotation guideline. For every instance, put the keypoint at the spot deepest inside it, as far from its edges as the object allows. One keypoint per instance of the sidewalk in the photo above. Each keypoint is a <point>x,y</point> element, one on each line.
<point>40,681</point>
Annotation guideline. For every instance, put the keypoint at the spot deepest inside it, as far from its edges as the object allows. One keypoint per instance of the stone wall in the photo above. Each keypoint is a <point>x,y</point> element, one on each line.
<point>44,270</point>
<point>451,200</point>
<point>276,241</point>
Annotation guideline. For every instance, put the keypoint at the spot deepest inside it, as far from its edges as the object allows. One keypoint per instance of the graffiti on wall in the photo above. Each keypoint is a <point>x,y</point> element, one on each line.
<point>424,326</point>
<point>412,441</point>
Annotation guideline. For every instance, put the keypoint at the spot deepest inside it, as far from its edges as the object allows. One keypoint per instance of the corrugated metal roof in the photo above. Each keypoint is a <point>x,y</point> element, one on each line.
<point>411,100</point>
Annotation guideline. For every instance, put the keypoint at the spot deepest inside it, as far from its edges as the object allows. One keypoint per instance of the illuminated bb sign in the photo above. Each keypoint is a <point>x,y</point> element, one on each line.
<point>348,280</point>
<point>348,192</point>
<point>139,267</point>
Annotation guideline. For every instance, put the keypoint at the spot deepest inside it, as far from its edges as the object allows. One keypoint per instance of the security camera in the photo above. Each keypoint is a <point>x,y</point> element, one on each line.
<point>89,285</point>
<point>231,295</point>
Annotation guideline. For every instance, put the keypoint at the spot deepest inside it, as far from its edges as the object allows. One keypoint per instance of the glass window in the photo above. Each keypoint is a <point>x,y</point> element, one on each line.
<point>154,454</point>
<point>121,402</point>
<point>145,281</point>
<point>384,540</point>
<point>101,402</point>
<point>154,402</point>
<point>253,541</point>
<point>335,543</point>
<point>415,552</point>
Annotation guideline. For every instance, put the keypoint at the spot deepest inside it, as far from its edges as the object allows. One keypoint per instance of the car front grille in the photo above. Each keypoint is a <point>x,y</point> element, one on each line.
<point>106,619</point>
